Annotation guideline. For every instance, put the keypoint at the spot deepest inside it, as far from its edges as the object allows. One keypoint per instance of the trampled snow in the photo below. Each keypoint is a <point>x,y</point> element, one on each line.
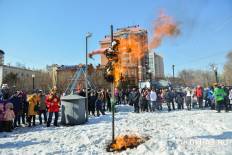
<point>176,132</point>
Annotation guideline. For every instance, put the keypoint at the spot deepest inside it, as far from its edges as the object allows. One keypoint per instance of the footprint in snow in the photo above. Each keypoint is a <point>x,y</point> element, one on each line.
<point>171,145</point>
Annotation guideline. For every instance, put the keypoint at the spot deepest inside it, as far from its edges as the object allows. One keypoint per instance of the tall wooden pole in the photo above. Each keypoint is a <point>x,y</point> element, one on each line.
<point>112,91</point>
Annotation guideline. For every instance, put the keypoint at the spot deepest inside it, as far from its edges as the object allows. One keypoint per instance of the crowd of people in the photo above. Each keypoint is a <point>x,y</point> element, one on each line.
<point>217,97</point>
<point>19,109</point>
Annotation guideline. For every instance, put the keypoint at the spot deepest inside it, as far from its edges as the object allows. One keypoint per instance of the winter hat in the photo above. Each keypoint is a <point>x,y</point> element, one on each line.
<point>4,86</point>
<point>9,105</point>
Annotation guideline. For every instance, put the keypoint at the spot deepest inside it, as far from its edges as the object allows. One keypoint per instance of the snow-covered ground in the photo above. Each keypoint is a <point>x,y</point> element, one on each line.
<point>178,132</point>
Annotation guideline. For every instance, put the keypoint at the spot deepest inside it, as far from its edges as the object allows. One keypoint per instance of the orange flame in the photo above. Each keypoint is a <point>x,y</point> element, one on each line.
<point>126,141</point>
<point>131,49</point>
<point>163,26</point>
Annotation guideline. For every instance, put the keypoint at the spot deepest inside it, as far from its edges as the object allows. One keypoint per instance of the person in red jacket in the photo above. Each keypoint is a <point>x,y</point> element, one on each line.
<point>53,105</point>
<point>199,95</point>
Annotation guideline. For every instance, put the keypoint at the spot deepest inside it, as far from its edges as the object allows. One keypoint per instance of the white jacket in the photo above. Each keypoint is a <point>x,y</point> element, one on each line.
<point>189,93</point>
<point>230,95</point>
<point>153,96</point>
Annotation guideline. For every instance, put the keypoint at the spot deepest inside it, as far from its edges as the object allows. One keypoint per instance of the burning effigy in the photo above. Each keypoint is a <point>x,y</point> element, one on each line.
<point>111,54</point>
<point>124,142</point>
<point>123,56</point>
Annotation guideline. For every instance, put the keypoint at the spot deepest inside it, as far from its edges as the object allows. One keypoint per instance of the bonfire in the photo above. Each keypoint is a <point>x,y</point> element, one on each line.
<point>124,142</point>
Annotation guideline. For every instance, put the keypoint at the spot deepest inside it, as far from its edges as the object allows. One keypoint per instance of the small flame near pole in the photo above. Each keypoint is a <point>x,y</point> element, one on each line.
<point>123,142</point>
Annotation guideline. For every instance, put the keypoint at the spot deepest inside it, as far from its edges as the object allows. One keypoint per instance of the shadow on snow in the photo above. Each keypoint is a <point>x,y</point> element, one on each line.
<point>223,136</point>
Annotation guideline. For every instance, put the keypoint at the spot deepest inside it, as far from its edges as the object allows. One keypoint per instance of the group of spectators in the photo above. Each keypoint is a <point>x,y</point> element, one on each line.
<point>217,97</point>
<point>99,101</point>
<point>20,109</point>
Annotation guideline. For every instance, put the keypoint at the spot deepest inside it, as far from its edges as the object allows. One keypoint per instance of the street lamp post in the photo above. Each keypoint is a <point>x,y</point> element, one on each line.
<point>88,35</point>
<point>33,82</point>
<point>173,72</point>
<point>216,73</point>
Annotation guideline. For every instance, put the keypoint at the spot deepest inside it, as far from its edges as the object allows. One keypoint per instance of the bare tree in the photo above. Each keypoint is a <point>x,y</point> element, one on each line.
<point>196,77</point>
<point>186,76</point>
<point>227,74</point>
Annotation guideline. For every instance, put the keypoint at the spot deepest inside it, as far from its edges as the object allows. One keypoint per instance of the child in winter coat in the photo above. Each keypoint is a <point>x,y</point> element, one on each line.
<point>2,112</point>
<point>9,116</point>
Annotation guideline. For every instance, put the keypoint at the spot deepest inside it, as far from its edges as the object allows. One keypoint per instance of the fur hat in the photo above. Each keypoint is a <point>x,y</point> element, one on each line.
<point>9,105</point>
<point>215,84</point>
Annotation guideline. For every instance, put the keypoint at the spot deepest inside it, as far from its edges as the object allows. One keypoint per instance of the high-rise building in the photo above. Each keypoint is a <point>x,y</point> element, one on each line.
<point>159,66</point>
<point>2,57</point>
<point>156,65</point>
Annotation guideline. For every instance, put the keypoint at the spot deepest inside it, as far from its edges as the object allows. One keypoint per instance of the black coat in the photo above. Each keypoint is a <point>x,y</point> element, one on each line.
<point>15,100</point>
<point>92,101</point>
<point>134,97</point>
<point>170,96</point>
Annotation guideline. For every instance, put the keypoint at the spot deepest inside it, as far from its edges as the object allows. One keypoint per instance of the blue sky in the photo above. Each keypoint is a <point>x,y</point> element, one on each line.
<point>37,33</point>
